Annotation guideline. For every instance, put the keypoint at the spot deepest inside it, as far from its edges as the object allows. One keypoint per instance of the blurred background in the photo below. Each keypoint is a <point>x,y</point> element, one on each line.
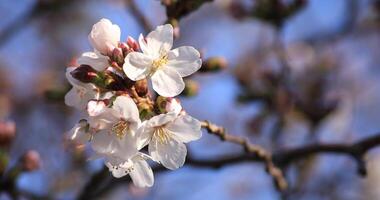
<point>293,72</point>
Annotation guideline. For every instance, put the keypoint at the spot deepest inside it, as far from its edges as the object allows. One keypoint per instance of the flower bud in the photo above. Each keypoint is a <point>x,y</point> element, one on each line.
<point>145,110</point>
<point>31,161</point>
<point>133,44</point>
<point>124,48</point>
<point>7,133</point>
<point>141,87</point>
<point>168,104</point>
<point>214,64</point>
<point>84,73</point>
<point>104,36</point>
<point>117,56</point>
<point>191,88</point>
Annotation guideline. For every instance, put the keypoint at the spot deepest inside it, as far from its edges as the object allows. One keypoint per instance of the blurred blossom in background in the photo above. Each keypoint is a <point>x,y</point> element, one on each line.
<point>333,56</point>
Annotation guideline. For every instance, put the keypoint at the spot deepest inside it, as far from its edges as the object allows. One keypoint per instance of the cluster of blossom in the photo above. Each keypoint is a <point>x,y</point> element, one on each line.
<point>110,85</point>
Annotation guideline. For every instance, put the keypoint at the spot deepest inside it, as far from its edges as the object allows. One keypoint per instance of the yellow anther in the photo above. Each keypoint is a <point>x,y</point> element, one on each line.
<point>158,63</point>
<point>162,135</point>
<point>120,128</point>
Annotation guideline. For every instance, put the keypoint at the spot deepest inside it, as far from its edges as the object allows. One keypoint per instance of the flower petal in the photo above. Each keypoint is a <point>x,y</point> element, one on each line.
<point>116,171</point>
<point>144,135</point>
<point>142,174</point>
<point>95,60</point>
<point>171,153</point>
<point>185,128</point>
<point>137,65</point>
<point>78,132</point>
<point>104,143</point>
<point>126,146</point>
<point>127,109</point>
<point>161,119</point>
<point>167,82</point>
<point>160,41</point>
<point>103,120</point>
<point>185,60</point>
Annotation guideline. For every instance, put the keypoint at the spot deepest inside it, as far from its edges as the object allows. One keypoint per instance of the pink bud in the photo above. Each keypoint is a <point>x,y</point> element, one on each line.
<point>31,161</point>
<point>132,43</point>
<point>7,133</point>
<point>117,55</point>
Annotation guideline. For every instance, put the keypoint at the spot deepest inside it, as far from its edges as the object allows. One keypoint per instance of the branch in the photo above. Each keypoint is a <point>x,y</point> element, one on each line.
<point>139,16</point>
<point>256,153</point>
<point>175,10</point>
<point>356,150</point>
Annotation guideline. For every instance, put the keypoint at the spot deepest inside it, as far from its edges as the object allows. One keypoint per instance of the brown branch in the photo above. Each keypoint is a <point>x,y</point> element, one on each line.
<point>139,16</point>
<point>175,10</point>
<point>256,152</point>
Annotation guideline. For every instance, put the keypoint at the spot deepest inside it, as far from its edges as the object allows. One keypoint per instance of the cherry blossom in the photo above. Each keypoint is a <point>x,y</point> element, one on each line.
<point>166,135</point>
<point>163,66</point>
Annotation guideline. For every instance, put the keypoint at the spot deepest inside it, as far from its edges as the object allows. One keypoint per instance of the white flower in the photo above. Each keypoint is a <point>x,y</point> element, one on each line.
<point>95,60</point>
<point>80,132</point>
<point>137,167</point>
<point>104,36</point>
<point>116,129</point>
<point>165,67</point>
<point>166,135</point>
<point>81,93</point>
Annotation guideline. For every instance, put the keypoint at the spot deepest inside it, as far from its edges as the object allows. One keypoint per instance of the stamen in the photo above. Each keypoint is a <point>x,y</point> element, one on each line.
<point>120,128</point>
<point>158,63</point>
<point>162,135</point>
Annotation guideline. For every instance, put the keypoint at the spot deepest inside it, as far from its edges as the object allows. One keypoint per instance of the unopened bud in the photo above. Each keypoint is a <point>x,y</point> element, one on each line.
<point>141,87</point>
<point>7,133</point>
<point>84,73</point>
<point>117,56</point>
<point>191,88</point>
<point>31,161</point>
<point>132,44</point>
<point>124,48</point>
<point>168,104</point>
<point>214,64</point>
<point>145,110</point>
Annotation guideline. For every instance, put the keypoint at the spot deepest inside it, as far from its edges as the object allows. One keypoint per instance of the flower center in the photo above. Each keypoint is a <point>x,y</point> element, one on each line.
<point>158,63</point>
<point>120,128</point>
<point>161,135</point>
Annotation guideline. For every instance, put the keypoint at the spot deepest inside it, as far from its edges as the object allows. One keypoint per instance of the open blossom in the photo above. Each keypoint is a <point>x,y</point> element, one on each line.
<point>104,36</point>
<point>116,129</point>
<point>166,135</point>
<point>81,93</point>
<point>165,67</point>
<point>137,168</point>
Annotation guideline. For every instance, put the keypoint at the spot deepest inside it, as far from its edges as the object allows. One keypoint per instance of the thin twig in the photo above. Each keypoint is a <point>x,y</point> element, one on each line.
<point>257,152</point>
<point>139,16</point>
